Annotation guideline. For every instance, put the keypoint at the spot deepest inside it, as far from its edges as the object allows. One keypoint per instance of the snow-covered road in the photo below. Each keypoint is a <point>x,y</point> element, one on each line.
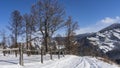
<point>68,61</point>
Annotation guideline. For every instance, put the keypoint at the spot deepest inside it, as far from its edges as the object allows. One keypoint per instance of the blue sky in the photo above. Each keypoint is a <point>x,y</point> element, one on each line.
<point>92,15</point>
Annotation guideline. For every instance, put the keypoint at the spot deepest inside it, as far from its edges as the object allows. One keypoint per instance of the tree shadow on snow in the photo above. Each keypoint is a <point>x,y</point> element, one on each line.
<point>8,61</point>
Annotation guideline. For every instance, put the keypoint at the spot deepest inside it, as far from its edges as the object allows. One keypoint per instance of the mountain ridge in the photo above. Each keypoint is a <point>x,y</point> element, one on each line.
<point>105,42</point>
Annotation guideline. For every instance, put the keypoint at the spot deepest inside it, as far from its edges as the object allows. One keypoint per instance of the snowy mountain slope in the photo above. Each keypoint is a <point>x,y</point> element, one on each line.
<point>69,61</point>
<point>104,43</point>
<point>107,39</point>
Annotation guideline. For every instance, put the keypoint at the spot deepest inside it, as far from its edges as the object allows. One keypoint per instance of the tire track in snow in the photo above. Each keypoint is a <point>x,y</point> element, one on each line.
<point>87,63</point>
<point>92,63</point>
<point>83,64</point>
<point>80,61</point>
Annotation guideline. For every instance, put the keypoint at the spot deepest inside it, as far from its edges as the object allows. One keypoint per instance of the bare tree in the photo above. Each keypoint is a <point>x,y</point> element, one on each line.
<point>12,40</point>
<point>49,15</point>
<point>29,28</point>
<point>3,43</point>
<point>70,33</point>
<point>60,44</point>
<point>16,26</point>
<point>59,40</point>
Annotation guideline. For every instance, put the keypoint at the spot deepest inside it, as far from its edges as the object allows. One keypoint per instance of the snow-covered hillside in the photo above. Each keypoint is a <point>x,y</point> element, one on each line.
<point>68,61</point>
<point>107,39</point>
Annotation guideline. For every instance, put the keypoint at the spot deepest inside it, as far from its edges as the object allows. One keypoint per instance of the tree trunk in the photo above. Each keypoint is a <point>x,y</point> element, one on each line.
<point>58,54</point>
<point>41,55</point>
<point>21,55</point>
<point>46,36</point>
<point>4,52</point>
<point>63,52</point>
<point>30,46</point>
<point>50,53</point>
<point>27,41</point>
<point>46,43</point>
<point>16,45</point>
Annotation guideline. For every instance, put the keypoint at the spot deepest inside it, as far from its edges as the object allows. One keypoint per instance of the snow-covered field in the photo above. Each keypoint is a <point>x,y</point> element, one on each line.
<point>68,61</point>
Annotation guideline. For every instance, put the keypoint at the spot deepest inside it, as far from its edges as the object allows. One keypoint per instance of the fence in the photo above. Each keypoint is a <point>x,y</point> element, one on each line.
<point>21,51</point>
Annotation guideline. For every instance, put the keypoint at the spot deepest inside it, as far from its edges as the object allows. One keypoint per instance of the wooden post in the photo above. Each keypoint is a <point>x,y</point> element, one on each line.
<point>63,52</point>
<point>21,54</point>
<point>58,54</point>
<point>16,50</point>
<point>41,55</point>
<point>4,52</point>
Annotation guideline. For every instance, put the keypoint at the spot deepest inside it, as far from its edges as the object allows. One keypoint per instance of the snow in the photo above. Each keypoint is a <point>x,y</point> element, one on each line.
<point>100,34</point>
<point>106,43</point>
<point>117,30</point>
<point>60,46</point>
<point>117,35</point>
<point>110,44</point>
<point>92,39</point>
<point>105,48</point>
<point>69,61</point>
<point>96,41</point>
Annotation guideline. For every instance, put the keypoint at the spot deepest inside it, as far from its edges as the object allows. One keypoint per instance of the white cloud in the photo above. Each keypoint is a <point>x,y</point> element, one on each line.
<point>99,25</point>
<point>109,20</point>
